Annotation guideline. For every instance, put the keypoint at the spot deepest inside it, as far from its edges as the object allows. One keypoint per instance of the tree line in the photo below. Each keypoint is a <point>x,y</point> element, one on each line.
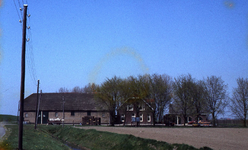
<point>184,95</point>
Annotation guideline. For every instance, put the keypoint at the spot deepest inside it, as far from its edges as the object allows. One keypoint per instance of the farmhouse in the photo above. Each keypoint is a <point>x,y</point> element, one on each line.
<point>74,105</point>
<point>134,111</point>
<point>176,118</point>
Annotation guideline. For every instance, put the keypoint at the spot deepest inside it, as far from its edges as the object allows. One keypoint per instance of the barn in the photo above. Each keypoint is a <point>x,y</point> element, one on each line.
<point>70,106</point>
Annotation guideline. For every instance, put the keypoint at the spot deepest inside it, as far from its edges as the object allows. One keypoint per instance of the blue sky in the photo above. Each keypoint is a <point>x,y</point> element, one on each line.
<point>76,42</point>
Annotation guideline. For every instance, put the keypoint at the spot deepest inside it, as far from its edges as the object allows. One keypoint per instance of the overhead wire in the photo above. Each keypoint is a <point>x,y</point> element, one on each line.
<point>30,54</point>
<point>20,7</point>
<point>29,46</point>
<point>20,20</point>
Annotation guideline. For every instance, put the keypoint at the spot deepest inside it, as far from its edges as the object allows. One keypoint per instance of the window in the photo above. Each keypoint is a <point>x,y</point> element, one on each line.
<point>103,115</point>
<point>88,113</point>
<point>123,118</point>
<point>26,115</point>
<point>149,118</point>
<point>189,119</point>
<point>133,117</point>
<point>130,107</point>
<point>141,117</point>
<point>142,107</point>
<point>72,113</point>
<point>56,114</point>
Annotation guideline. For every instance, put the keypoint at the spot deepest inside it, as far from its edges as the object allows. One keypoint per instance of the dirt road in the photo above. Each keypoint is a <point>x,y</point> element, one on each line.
<point>215,138</point>
<point>2,130</point>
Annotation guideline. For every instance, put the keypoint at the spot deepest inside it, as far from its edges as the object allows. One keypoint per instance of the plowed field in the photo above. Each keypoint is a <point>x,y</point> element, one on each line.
<point>216,138</point>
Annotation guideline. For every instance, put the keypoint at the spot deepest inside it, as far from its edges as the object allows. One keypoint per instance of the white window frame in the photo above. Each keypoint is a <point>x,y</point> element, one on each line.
<point>149,118</point>
<point>122,117</point>
<point>141,117</point>
<point>56,114</point>
<point>130,107</point>
<point>142,107</point>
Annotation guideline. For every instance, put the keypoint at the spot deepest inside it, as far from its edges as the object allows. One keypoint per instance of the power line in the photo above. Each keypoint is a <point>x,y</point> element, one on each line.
<point>29,39</point>
<point>20,20</point>
<point>19,4</point>
<point>30,54</point>
<point>20,7</point>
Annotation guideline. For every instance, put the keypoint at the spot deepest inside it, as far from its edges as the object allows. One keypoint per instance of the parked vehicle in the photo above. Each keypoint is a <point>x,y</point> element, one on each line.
<point>52,121</point>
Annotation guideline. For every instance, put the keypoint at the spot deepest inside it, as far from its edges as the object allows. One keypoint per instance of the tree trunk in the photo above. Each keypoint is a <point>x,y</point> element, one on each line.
<point>125,117</point>
<point>245,120</point>
<point>198,116</point>
<point>112,118</point>
<point>185,119</point>
<point>153,118</point>
<point>213,118</point>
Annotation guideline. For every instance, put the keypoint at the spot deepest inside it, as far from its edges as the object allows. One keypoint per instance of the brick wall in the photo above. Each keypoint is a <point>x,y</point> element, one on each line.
<point>77,116</point>
<point>29,117</point>
<point>69,117</point>
<point>103,115</point>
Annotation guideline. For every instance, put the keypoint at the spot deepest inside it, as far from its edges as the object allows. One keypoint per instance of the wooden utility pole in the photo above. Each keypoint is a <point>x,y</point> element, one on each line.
<point>37,104</point>
<point>22,76</point>
<point>38,110</point>
<point>63,99</point>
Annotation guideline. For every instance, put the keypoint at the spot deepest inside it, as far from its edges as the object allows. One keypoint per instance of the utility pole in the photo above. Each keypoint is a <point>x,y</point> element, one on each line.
<point>63,99</point>
<point>37,104</point>
<point>38,107</point>
<point>22,76</point>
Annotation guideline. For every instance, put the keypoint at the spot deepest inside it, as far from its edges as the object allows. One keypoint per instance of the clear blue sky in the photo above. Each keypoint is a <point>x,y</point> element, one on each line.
<point>76,42</point>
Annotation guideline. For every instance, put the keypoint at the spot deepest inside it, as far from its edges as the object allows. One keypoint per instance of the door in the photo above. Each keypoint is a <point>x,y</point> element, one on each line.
<point>44,117</point>
<point>39,118</point>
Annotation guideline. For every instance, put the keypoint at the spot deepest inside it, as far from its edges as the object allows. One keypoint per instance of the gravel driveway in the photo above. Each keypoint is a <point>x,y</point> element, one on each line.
<point>215,138</point>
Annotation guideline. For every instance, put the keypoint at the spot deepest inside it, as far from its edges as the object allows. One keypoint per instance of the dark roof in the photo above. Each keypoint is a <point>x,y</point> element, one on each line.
<point>148,102</point>
<point>54,102</point>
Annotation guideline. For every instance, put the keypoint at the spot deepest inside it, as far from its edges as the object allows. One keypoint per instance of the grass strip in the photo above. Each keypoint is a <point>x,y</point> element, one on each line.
<point>91,139</point>
<point>100,140</point>
<point>8,118</point>
<point>32,139</point>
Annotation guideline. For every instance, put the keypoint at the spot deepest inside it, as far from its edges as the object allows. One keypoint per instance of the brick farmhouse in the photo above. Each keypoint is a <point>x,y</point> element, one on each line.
<point>139,109</point>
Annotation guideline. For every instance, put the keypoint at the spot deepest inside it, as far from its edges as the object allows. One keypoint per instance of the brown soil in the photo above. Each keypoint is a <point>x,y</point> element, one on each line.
<point>215,138</point>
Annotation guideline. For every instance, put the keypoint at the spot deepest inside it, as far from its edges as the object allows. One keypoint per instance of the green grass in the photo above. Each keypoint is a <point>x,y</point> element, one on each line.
<point>99,140</point>
<point>32,139</point>
<point>51,137</point>
<point>8,118</point>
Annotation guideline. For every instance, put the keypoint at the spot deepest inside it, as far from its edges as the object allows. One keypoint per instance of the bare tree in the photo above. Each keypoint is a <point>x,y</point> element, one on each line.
<point>109,94</point>
<point>239,100</point>
<point>63,90</point>
<point>198,99</point>
<point>90,88</point>
<point>161,91</point>
<point>139,86</point>
<point>77,89</point>
<point>216,97</point>
<point>183,95</point>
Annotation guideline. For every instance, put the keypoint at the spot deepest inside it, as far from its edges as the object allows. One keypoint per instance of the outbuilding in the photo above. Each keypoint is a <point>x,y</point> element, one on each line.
<point>70,106</point>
